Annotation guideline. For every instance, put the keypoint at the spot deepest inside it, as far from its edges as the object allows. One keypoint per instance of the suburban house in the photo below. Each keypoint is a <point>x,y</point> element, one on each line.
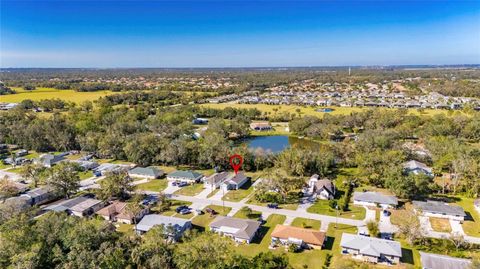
<point>321,188</point>
<point>476,204</point>
<point>79,206</point>
<point>371,198</point>
<point>146,172</point>
<point>178,225</point>
<point>436,261</point>
<point>214,181</point>
<point>234,181</point>
<point>39,196</point>
<point>440,210</point>
<point>303,238</point>
<point>241,230</point>
<point>187,176</point>
<point>117,212</point>
<point>260,126</point>
<point>86,165</point>
<point>105,168</point>
<point>417,168</point>
<point>371,249</point>
<point>49,160</point>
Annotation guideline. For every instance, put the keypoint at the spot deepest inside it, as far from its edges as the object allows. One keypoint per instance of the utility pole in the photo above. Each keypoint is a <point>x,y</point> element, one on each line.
<point>336,219</point>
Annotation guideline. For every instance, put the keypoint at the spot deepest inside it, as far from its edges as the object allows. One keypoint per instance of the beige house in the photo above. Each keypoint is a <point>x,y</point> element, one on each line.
<point>117,212</point>
<point>303,238</point>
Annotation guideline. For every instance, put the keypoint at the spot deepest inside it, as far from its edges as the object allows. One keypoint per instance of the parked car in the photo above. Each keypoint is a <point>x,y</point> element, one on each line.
<point>180,208</point>
<point>386,213</point>
<point>182,184</point>
<point>174,183</point>
<point>272,205</point>
<point>185,211</point>
<point>199,212</point>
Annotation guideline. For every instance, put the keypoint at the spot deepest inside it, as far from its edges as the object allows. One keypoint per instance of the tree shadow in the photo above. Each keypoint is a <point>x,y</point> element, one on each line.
<point>247,184</point>
<point>407,256</point>
<point>198,228</point>
<point>468,216</point>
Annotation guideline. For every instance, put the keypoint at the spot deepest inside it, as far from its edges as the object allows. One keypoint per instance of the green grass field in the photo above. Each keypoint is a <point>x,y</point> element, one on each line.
<point>49,93</point>
<point>153,185</point>
<point>310,111</point>
<point>242,214</point>
<point>190,190</point>
<point>306,223</point>
<point>322,207</point>
<point>202,221</point>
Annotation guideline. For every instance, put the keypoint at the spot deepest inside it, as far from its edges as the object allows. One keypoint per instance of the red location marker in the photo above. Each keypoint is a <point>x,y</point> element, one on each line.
<point>236,162</point>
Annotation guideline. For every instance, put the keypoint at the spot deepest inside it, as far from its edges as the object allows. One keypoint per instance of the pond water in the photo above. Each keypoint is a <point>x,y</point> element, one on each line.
<point>277,143</point>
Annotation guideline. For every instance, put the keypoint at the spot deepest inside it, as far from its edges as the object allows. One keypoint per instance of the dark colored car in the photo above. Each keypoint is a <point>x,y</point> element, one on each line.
<point>273,205</point>
<point>180,208</point>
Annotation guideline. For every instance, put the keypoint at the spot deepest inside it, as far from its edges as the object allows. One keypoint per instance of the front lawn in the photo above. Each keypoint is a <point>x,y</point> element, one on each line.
<point>247,214</point>
<point>323,208</point>
<point>202,221</point>
<point>170,211</point>
<point>440,225</point>
<point>471,226</point>
<point>4,166</point>
<point>190,190</point>
<point>306,223</point>
<point>238,195</point>
<point>213,193</point>
<point>262,240</point>
<point>291,206</point>
<point>157,185</point>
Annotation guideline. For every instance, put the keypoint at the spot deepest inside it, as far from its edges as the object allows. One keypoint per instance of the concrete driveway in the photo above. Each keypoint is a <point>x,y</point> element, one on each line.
<point>456,227</point>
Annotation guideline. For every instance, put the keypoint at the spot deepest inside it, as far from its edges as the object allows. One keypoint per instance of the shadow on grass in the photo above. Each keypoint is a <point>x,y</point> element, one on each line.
<point>328,245</point>
<point>262,231</point>
<point>468,216</point>
<point>198,228</point>
<point>247,184</point>
<point>407,256</point>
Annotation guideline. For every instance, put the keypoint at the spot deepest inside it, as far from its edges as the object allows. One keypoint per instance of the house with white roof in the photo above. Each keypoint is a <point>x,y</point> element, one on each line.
<point>375,199</point>
<point>438,209</point>
<point>417,168</point>
<point>437,261</point>
<point>214,181</point>
<point>234,181</point>
<point>241,230</point>
<point>371,249</point>
<point>175,227</point>
<point>146,172</point>
<point>187,176</point>
<point>79,206</point>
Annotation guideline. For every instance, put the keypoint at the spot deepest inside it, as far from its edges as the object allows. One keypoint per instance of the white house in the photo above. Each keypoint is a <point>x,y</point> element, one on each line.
<point>214,181</point>
<point>371,249</point>
<point>417,168</point>
<point>174,226</point>
<point>79,206</point>
<point>440,210</point>
<point>370,198</point>
<point>437,261</point>
<point>145,172</point>
<point>185,176</point>
<point>321,188</point>
<point>241,230</point>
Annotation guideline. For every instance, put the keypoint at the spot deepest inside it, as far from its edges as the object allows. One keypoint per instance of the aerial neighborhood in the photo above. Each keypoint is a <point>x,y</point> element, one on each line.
<point>342,174</point>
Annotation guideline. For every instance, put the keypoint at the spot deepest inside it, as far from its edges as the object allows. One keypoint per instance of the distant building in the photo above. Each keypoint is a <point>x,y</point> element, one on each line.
<point>39,196</point>
<point>371,249</point>
<point>440,210</point>
<point>436,261</point>
<point>49,160</point>
<point>303,238</point>
<point>260,126</point>
<point>187,176</point>
<point>147,172</point>
<point>241,230</point>
<point>370,198</point>
<point>416,168</point>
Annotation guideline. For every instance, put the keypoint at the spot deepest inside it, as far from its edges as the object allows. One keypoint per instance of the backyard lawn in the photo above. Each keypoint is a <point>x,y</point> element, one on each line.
<point>322,207</point>
<point>126,228</point>
<point>440,225</point>
<point>85,174</point>
<point>153,185</point>
<point>306,223</point>
<point>202,221</point>
<point>191,190</point>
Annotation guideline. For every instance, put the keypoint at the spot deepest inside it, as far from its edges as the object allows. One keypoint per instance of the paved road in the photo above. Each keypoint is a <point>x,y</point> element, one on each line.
<point>268,211</point>
<point>9,175</point>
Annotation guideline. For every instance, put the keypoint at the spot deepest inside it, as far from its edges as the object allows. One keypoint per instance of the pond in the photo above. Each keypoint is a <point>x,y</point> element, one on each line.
<point>277,143</point>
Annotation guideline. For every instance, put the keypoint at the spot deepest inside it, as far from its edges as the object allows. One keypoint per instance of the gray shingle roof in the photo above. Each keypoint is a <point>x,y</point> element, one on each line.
<point>375,197</point>
<point>236,178</point>
<point>146,171</point>
<point>371,246</point>
<point>439,208</point>
<point>217,177</point>
<point>436,261</point>
<point>185,174</point>
<point>246,229</point>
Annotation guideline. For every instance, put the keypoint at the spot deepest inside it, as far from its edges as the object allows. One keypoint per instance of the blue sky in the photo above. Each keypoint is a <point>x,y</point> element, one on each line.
<point>66,33</point>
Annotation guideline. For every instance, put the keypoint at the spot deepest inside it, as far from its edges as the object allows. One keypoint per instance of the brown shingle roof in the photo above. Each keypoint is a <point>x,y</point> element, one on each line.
<point>306,235</point>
